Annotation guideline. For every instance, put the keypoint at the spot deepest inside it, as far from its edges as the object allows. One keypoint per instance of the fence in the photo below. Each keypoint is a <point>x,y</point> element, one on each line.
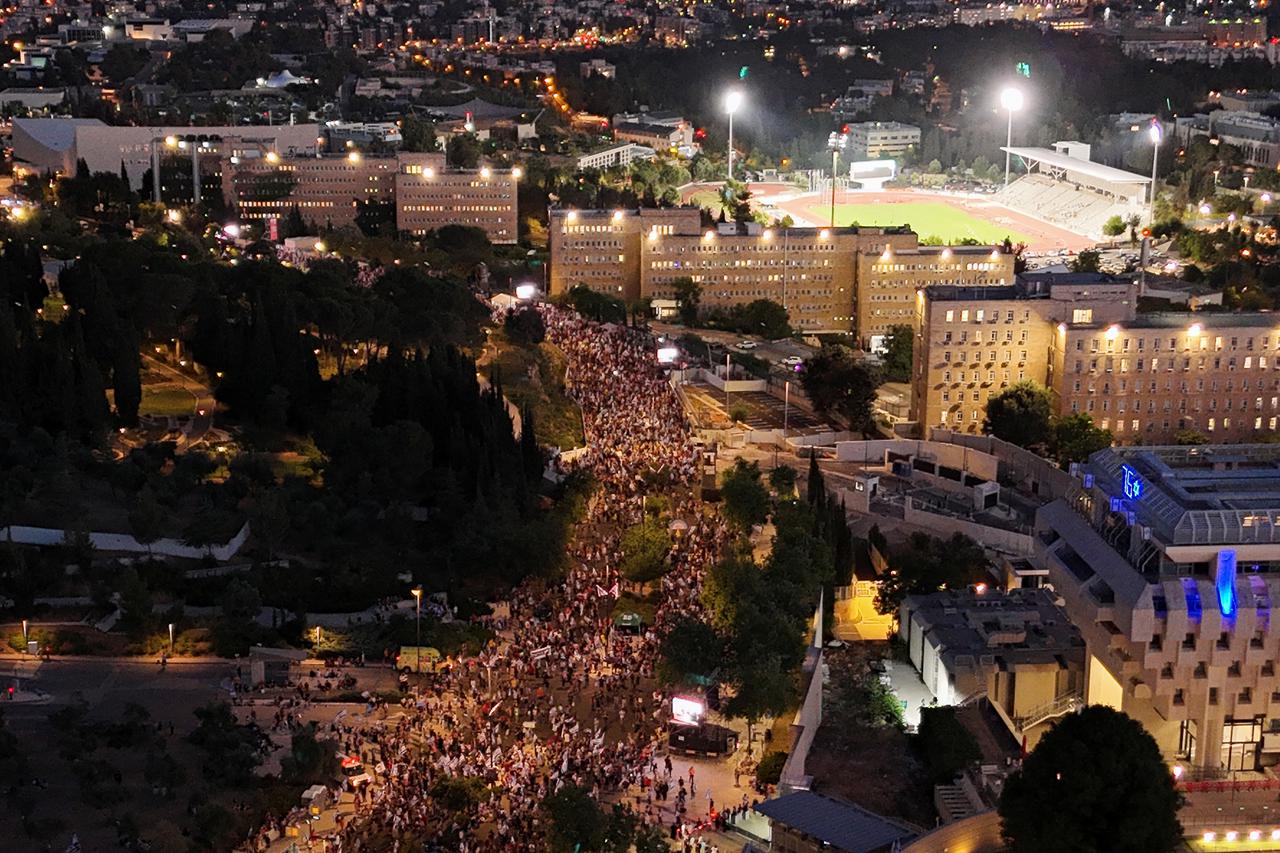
<point>121,543</point>
<point>989,537</point>
<point>1018,467</point>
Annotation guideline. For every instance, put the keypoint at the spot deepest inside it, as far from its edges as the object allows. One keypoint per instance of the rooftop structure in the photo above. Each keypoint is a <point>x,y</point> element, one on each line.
<point>1167,558</point>
<point>1018,649</point>
<point>804,821</point>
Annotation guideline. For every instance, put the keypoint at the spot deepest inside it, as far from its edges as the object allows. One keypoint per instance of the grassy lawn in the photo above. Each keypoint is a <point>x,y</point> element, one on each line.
<point>926,218</point>
<point>164,400</point>
<point>710,199</point>
<point>533,378</point>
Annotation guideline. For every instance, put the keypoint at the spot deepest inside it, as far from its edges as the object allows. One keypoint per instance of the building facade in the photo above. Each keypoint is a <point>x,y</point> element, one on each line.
<point>888,282</point>
<point>1167,558</point>
<point>1145,377</point>
<point>1018,649</point>
<point>869,140</point>
<point>829,280</point>
<point>328,190</point>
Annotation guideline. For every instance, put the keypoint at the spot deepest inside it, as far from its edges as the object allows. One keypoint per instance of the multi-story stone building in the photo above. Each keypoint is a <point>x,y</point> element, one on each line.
<point>1167,559</point>
<point>829,279</point>
<point>328,190</point>
<point>1145,377</point>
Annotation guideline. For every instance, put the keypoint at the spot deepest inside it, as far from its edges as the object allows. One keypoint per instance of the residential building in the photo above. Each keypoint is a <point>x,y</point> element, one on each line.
<point>1236,32</point>
<point>1145,377</point>
<point>597,68</point>
<point>1167,558</point>
<point>615,155</point>
<point>869,140</point>
<point>829,280</point>
<point>660,137</point>
<point>1256,135</point>
<point>1018,649</point>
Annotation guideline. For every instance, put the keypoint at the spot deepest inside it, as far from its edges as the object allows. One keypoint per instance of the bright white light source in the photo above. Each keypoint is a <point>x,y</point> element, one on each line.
<point>687,711</point>
<point>667,355</point>
<point>526,291</point>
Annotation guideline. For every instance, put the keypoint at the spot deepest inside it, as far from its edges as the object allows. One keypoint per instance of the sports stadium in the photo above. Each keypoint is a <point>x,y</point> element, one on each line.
<point>1058,202</point>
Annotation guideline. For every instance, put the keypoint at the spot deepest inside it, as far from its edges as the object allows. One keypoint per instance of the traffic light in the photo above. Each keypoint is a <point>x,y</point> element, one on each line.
<point>844,128</point>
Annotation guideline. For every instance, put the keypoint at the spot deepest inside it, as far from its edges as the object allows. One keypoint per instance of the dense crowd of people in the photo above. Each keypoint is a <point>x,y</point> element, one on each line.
<point>559,697</point>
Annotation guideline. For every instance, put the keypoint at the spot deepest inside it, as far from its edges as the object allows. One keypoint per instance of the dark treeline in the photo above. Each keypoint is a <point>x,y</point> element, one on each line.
<point>407,462</point>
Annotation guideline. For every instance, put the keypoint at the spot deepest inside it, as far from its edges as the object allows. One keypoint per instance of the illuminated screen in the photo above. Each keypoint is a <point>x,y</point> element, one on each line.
<point>686,711</point>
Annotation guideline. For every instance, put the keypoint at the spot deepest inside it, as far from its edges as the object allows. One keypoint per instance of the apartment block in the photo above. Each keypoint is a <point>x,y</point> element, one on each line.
<point>429,196</point>
<point>1167,559</point>
<point>1145,377</point>
<point>829,280</point>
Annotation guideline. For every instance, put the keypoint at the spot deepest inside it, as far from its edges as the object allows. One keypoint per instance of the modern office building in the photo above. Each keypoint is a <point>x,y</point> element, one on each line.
<point>829,280</point>
<point>429,196</point>
<point>1167,559</point>
<point>1016,648</point>
<point>1145,377</point>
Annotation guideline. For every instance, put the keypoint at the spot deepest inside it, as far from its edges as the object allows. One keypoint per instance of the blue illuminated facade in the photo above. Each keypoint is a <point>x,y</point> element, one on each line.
<point>1225,582</point>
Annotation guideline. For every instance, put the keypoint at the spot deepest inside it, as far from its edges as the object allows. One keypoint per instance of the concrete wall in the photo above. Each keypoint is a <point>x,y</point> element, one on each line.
<point>123,543</point>
<point>977,834</point>
<point>988,537</point>
<point>804,727</point>
<point>958,456</point>
<point>1017,466</point>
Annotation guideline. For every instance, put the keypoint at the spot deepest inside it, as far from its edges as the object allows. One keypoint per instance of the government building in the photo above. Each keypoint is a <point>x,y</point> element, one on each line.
<point>1167,560</point>
<point>1145,377</point>
<point>859,280</point>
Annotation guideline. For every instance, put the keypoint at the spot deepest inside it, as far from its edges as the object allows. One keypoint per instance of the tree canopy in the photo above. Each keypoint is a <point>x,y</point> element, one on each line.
<point>839,383</point>
<point>746,500</point>
<point>1020,414</point>
<point>1096,782</point>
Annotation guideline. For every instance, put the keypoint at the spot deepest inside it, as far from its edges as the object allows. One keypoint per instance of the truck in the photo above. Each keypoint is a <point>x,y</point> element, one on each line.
<point>417,659</point>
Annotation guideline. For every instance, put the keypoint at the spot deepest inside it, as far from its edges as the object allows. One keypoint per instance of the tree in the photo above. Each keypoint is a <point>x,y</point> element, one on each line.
<point>783,480</point>
<point>690,648</point>
<point>1074,438</point>
<point>1088,260</point>
<point>946,745</point>
<point>926,564</point>
<point>1113,227</point>
<point>645,547</point>
<point>310,760</point>
<point>1095,782</point>
<point>463,151</point>
<point>1019,414</point>
<point>576,822</point>
<point>898,345</point>
<point>839,384</point>
<point>1133,222</point>
<point>147,519</point>
<point>689,294</point>
<point>525,326</point>
<point>1190,437</point>
<point>417,134</point>
<point>746,500</point>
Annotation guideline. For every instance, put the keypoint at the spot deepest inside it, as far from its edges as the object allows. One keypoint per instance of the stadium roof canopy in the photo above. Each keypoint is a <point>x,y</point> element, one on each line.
<point>1052,159</point>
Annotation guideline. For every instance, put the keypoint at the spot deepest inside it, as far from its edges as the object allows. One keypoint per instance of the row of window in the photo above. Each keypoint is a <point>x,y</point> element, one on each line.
<point>1171,364</point>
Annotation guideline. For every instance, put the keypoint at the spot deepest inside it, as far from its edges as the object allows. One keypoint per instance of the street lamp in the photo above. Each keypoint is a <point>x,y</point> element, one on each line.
<point>25,637</point>
<point>1011,100</point>
<point>417,597</point>
<point>170,639</point>
<point>836,142</point>
<point>732,101</point>
<point>1156,134</point>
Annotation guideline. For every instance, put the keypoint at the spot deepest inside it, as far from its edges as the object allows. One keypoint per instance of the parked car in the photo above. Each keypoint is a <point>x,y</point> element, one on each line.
<point>746,345</point>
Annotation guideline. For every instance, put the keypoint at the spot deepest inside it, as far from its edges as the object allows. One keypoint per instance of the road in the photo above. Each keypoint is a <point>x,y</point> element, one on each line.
<point>202,402</point>
<point>769,351</point>
<point>106,685</point>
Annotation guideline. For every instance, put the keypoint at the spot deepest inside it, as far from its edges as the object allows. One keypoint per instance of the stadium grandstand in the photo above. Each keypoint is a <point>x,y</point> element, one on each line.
<point>1065,188</point>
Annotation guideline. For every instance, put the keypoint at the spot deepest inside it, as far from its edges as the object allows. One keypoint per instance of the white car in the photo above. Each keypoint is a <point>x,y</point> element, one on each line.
<point>746,345</point>
<point>792,360</point>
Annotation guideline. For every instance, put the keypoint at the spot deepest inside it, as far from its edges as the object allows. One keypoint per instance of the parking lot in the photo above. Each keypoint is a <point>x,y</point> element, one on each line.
<point>763,410</point>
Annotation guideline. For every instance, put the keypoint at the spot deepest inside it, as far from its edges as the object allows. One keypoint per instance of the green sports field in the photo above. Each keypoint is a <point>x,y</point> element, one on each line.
<point>926,218</point>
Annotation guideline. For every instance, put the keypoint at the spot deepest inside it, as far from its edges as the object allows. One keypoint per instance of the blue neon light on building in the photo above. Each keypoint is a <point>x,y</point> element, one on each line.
<point>1226,582</point>
<point>1132,483</point>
